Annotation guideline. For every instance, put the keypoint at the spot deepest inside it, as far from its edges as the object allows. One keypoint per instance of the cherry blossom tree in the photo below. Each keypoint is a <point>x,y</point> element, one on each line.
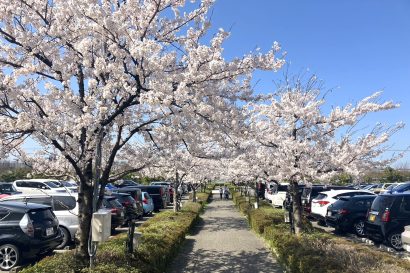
<point>306,143</point>
<point>83,79</point>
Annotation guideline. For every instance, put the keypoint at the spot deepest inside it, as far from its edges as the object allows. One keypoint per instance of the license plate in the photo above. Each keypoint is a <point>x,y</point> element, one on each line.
<point>49,231</point>
<point>329,213</point>
<point>372,217</point>
<point>407,248</point>
<point>122,214</point>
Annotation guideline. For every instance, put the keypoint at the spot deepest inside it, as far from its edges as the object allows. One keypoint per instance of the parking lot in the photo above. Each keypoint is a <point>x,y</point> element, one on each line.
<point>118,230</point>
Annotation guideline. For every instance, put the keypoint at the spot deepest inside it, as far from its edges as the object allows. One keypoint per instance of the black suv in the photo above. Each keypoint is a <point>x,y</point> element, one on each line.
<point>387,217</point>
<point>26,231</point>
<point>349,213</point>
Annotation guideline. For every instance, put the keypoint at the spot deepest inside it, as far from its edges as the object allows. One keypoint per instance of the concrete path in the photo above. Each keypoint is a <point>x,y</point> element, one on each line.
<point>222,242</point>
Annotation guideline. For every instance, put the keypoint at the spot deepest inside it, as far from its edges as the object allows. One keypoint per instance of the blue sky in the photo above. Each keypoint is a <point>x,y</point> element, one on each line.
<point>356,47</point>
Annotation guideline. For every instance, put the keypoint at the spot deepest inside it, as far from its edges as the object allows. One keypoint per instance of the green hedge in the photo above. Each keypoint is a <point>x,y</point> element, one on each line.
<point>313,250</point>
<point>161,237</point>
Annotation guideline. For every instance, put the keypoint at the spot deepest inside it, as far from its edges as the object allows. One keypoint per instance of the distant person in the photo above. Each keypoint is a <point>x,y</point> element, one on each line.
<point>220,192</point>
<point>226,192</point>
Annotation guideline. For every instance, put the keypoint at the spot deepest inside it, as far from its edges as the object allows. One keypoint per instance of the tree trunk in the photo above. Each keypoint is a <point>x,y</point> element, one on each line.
<point>193,194</point>
<point>176,182</point>
<point>297,207</point>
<point>85,207</point>
<point>257,194</point>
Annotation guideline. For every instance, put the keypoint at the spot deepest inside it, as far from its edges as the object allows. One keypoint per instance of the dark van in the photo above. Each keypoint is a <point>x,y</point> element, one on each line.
<point>158,195</point>
<point>387,217</point>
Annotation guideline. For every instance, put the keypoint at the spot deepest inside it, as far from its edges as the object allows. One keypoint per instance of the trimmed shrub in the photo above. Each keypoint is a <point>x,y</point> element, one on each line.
<point>161,237</point>
<point>314,250</point>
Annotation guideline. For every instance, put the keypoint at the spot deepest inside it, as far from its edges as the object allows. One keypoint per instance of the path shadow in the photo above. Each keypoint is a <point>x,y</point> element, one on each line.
<point>207,261</point>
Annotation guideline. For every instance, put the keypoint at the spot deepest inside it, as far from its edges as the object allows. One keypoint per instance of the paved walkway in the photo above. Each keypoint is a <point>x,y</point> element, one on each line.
<point>222,242</point>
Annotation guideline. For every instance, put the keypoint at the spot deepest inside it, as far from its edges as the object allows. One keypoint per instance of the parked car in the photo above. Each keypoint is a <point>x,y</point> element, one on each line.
<point>279,194</point>
<point>26,231</point>
<point>169,188</point>
<point>69,186</point>
<point>158,194</point>
<point>7,189</point>
<point>326,198</point>
<point>405,238</point>
<point>125,183</point>
<point>131,210</point>
<point>117,211</point>
<point>64,206</point>
<point>349,213</point>
<point>399,188</point>
<point>388,216</point>
<point>148,203</point>
<point>135,193</point>
<point>381,187</point>
<point>37,186</point>
<point>309,193</point>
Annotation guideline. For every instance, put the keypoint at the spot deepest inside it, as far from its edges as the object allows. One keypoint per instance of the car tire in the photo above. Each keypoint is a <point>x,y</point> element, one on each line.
<point>10,256</point>
<point>394,240</point>
<point>358,227</point>
<point>66,238</point>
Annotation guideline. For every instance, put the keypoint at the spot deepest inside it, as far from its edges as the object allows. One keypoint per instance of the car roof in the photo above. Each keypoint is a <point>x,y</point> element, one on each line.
<point>336,192</point>
<point>42,195</point>
<point>37,180</point>
<point>120,194</point>
<point>22,206</point>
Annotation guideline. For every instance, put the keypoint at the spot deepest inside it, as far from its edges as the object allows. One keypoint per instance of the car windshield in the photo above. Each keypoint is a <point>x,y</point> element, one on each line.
<point>51,184</point>
<point>67,184</point>
<point>6,188</point>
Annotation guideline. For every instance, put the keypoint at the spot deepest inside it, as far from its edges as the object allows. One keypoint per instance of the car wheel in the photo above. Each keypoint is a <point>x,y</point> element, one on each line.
<point>359,228</point>
<point>394,240</point>
<point>66,238</point>
<point>9,256</point>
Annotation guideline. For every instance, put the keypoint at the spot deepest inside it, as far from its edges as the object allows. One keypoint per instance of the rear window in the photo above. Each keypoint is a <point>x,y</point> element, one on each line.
<point>39,216</point>
<point>340,203</point>
<point>321,196</point>
<point>64,203</point>
<point>153,190</point>
<point>6,188</point>
<point>115,203</point>
<point>282,188</point>
<point>306,192</point>
<point>382,202</point>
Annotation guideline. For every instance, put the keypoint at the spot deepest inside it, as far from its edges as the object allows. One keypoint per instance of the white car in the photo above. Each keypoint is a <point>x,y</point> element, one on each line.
<point>405,238</point>
<point>326,198</point>
<point>279,194</point>
<point>64,206</point>
<point>38,186</point>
